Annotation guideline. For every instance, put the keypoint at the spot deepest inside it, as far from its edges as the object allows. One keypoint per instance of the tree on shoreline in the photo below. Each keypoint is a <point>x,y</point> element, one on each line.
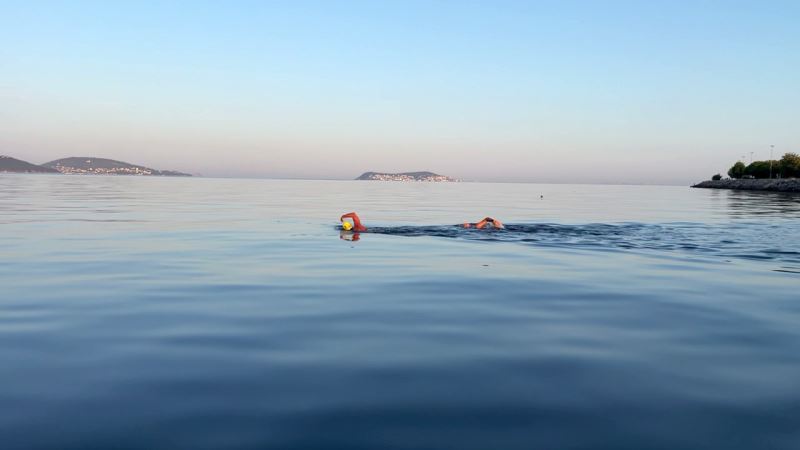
<point>737,170</point>
<point>787,167</point>
<point>761,169</point>
<point>790,165</point>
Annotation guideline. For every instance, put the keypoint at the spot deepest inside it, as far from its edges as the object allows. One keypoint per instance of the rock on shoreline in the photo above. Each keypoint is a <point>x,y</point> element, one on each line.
<point>774,185</point>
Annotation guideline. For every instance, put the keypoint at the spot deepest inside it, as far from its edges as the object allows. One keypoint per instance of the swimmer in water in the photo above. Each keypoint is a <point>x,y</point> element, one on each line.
<point>357,226</point>
<point>487,222</point>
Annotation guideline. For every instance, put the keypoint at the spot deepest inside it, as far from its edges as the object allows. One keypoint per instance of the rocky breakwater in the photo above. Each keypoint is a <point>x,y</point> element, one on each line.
<point>774,185</point>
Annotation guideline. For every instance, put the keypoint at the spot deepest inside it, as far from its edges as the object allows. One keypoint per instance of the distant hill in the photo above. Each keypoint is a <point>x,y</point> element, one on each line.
<point>14,165</point>
<point>103,166</point>
<point>405,176</point>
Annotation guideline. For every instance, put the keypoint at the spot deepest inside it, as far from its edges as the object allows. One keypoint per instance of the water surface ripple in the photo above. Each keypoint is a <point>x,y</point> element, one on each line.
<point>216,313</point>
<point>752,241</point>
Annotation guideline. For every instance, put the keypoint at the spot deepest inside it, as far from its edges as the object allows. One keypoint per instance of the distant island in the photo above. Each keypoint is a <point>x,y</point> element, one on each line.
<point>84,165</point>
<point>406,176</point>
<point>14,165</point>
<point>102,166</point>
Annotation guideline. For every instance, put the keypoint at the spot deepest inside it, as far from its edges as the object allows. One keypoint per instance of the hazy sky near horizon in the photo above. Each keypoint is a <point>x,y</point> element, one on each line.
<point>590,91</point>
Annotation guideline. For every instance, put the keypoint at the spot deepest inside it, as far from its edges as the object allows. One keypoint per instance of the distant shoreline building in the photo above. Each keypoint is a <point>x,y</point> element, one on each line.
<point>70,170</point>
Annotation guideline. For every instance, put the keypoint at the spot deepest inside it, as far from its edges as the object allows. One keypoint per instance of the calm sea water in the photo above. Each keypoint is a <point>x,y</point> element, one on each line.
<point>216,313</point>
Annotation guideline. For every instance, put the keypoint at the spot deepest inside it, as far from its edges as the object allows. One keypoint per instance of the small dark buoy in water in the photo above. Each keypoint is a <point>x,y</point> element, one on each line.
<point>541,197</point>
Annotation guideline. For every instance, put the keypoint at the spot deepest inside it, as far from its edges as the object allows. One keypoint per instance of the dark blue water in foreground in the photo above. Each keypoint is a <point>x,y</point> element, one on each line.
<point>208,313</point>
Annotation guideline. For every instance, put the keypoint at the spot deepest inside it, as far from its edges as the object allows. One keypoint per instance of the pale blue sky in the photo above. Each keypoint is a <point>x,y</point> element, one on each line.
<point>590,91</point>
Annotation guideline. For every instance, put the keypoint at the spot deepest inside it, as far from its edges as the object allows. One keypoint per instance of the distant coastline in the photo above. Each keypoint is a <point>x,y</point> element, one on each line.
<point>773,185</point>
<point>406,176</point>
<point>775,175</point>
<point>84,165</point>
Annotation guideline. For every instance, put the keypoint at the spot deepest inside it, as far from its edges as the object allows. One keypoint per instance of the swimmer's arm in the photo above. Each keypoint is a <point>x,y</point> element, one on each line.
<point>358,226</point>
<point>495,222</point>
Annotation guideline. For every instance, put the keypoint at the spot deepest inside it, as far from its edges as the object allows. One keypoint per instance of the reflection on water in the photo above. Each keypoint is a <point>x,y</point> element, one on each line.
<point>213,313</point>
<point>755,203</point>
